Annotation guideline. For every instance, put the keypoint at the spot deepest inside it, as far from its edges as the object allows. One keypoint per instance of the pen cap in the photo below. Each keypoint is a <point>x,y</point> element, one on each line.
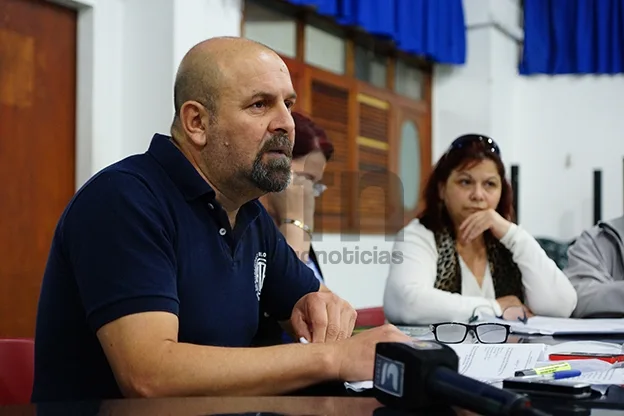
<point>566,374</point>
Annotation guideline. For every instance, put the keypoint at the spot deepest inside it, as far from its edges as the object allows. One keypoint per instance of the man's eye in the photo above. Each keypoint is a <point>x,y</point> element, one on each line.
<point>259,104</point>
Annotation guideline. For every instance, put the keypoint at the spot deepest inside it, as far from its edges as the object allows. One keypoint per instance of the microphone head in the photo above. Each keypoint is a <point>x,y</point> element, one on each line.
<point>402,371</point>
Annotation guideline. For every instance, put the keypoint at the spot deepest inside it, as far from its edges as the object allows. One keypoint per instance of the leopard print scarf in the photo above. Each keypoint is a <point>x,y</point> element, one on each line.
<point>505,272</point>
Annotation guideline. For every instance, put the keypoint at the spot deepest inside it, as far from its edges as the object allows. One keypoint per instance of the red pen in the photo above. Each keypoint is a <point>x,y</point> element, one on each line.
<point>564,356</point>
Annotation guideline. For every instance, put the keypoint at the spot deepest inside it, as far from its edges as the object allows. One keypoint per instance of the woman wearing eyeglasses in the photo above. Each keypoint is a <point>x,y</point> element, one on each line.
<point>293,209</point>
<point>464,257</point>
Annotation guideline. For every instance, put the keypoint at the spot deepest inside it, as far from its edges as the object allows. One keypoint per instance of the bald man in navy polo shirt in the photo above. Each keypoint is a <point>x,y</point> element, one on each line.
<point>161,262</point>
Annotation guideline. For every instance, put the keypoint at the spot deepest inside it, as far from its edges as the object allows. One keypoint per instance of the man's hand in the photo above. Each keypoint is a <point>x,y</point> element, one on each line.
<point>356,355</point>
<point>323,317</point>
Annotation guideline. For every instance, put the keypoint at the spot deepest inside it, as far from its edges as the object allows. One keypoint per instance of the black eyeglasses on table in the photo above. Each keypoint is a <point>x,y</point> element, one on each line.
<point>456,332</point>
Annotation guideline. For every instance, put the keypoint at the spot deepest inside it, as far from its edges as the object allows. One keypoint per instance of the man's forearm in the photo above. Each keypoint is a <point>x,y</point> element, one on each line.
<point>597,299</point>
<point>182,369</point>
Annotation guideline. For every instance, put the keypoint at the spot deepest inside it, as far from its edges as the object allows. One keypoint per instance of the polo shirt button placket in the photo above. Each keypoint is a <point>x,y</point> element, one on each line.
<point>222,231</point>
<point>210,206</point>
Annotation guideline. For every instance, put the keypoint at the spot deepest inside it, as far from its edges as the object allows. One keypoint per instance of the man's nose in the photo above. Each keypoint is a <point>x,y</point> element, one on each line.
<point>282,121</point>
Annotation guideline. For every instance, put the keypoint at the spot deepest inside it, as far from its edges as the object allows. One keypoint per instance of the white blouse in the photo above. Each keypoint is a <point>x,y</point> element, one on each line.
<point>411,299</point>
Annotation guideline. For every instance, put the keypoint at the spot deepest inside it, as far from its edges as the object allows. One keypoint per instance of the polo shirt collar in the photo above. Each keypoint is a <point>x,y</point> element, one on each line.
<point>185,176</point>
<point>179,168</point>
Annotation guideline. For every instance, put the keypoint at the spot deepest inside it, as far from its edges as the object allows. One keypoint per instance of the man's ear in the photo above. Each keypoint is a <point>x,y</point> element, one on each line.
<point>193,116</point>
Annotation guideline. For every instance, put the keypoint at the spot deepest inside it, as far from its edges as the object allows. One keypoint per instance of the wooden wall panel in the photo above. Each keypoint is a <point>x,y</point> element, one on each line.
<point>37,148</point>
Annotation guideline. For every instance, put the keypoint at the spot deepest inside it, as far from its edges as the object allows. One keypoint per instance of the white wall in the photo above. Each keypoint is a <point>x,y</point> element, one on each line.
<point>557,129</point>
<point>478,97</point>
<point>128,52</point>
<point>147,72</point>
<point>564,128</point>
<point>360,284</point>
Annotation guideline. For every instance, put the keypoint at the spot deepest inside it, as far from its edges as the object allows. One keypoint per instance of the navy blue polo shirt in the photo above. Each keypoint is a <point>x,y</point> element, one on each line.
<point>146,234</point>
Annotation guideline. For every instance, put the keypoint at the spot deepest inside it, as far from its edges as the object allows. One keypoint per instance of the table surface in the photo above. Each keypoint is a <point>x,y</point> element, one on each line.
<point>261,406</point>
<point>247,406</point>
<point>204,406</point>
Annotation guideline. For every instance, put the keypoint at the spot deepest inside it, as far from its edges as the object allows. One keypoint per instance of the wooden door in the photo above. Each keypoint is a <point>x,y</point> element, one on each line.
<point>37,149</point>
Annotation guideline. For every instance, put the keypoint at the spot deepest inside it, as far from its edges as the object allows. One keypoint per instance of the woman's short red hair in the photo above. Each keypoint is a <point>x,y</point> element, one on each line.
<point>309,137</point>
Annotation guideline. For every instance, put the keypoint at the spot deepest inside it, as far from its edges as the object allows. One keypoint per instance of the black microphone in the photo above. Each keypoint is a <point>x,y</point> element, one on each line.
<point>423,374</point>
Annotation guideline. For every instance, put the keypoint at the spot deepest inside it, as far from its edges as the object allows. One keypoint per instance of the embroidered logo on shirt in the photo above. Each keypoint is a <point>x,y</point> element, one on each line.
<point>259,272</point>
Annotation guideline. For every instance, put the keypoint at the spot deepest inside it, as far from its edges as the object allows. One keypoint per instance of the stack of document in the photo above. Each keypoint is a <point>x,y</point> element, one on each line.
<point>540,325</point>
<point>486,362</point>
<point>492,363</point>
<point>600,374</point>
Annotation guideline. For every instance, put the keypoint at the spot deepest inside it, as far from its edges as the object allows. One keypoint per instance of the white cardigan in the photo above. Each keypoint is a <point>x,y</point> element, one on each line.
<point>411,299</point>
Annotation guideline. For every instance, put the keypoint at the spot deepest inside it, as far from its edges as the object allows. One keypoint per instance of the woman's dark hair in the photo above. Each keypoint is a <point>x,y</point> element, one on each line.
<point>309,137</point>
<point>466,151</point>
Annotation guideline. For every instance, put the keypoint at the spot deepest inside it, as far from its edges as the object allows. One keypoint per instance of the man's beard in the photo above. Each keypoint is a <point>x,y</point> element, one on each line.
<point>274,175</point>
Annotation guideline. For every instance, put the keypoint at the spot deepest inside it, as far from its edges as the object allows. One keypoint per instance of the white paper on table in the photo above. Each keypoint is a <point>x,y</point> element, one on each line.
<point>609,377</point>
<point>601,380</point>
<point>359,386</point>
<point>589,347</point>
<point>496,361</point>
<point>586,366</point>
<point>486,362</point>
<point>542,325</point>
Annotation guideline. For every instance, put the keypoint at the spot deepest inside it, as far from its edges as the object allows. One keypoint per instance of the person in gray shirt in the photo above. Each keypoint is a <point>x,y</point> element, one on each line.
<point>596,270</point>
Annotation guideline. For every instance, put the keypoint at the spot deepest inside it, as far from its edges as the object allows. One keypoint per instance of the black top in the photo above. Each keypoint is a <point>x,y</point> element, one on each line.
<point>270,331</point>
<point>147,234</point>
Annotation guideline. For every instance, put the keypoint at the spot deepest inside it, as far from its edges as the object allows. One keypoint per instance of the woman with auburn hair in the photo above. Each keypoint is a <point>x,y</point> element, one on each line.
<point>293,209</point>
<point>463,257</point>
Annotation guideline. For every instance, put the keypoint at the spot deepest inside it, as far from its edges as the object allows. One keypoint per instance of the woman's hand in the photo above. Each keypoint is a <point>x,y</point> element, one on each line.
<point>513,309</point>
<point>296,202</point>
<point>510,301</point>
<point>479,222</point>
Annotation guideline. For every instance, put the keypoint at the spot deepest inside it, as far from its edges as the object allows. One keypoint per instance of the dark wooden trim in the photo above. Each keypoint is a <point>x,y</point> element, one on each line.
<point>427,87</point>
<point>390,72</point>
<point>301,37</point>
<point>350,58</point>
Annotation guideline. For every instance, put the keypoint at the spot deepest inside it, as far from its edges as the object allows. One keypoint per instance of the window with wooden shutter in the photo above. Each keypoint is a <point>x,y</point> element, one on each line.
<point>413,147</point>
<point>375,106</point>
<point>373,149</point>
<point>328,105</point>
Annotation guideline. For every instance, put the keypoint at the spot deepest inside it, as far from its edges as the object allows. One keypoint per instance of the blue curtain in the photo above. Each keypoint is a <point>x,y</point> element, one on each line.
<point>434,29</point>
<point>573,37</point>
